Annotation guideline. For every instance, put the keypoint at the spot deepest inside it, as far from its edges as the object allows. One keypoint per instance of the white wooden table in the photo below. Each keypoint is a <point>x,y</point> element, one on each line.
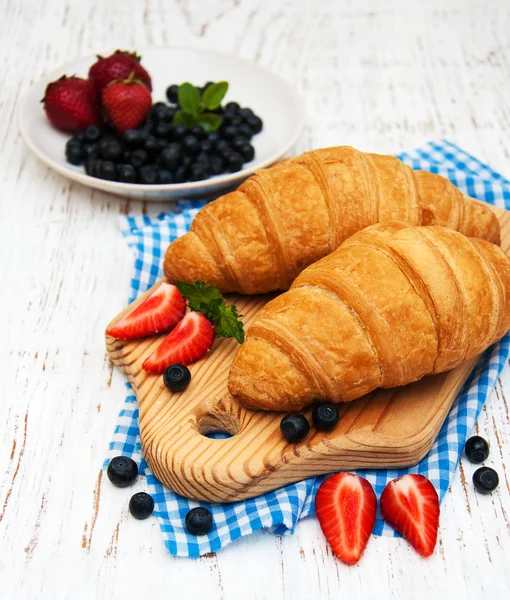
<point>380,76</point>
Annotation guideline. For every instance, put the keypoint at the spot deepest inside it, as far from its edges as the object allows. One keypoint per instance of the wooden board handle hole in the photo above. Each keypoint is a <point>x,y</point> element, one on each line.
<point>224,423</point>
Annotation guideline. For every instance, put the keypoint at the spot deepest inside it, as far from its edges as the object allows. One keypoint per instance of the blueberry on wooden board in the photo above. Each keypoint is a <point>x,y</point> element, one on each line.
<point>294,427</point>
<point>176,377</point>
<point>325,416</point>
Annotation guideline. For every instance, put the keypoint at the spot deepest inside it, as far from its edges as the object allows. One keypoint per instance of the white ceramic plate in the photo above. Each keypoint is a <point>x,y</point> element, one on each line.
<point>251,85</point>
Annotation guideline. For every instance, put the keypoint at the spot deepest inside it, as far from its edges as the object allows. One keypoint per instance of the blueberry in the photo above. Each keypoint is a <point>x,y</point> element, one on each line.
<point>176,377</point>
<point>216,164</point>
<point>213,137</point>
<point>206,146</point>
<point>254,123</point>
<point>171,156</point>
<point>232,107</point>
<point>172,92</point>
<point>160,113</point>
<point>79,137</point>
<point>122,471</point>
<point>246,113</point>
<point>186,161</point>
<point>141,505</point>
<point>151,145</point>
<point>198,172</point>
<point>107,170</point>
<point>139,157</point>
<point>75,152</point>
<point>134,138</point>
<point>198,132</point>
<point>294,427</point>
<point>247,151</point>
<point>92,134</point>
<point>199,521</point>
<point>229,132</point>
<point>222,147</point>
<point>190,144</point>
<point>112,150</point>
<point>178,132</point>
<point>164,176</point>
<point>163,129</point>
<point>91,167</point>
<point>245,131</point>
<point>325,416</point>
<point>126,173</point>
<point>236,121</point>
<point>203,159</point>
<point>127,156</point>
<point>234,162</point>
<point>161,144</point>
<point>485,480</point>
<point>148,174</point>
<point>476,449</point>
<point>91,151</point>
<point>181,174</point>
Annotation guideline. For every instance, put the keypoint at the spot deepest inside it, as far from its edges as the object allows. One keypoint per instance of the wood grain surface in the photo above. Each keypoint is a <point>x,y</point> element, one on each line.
<point>384,429</point>
<point>381,76</point>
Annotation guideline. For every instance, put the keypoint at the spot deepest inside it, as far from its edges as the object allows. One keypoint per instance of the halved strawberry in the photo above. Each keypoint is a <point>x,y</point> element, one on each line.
<point>411,506</point>
<point>189,341</point>
<point>345,505</point>
<point>159,312</point>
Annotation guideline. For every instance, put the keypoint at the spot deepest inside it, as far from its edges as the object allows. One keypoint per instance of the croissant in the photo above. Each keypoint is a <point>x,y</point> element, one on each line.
<point>394,303</point>
<point>259,238</point>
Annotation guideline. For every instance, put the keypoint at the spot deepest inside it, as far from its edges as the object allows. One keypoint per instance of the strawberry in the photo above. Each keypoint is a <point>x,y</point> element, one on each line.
<point>126,103</point>
<point>189,341</point>
<point>71,104</point>
<point>345,505</point>
<point>160,311</point>
<point>411,506</point>
<point>118,65</point>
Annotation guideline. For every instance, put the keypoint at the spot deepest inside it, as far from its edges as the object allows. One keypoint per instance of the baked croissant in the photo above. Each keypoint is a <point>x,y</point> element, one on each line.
<point>392,304</point>
<point>260,237</point>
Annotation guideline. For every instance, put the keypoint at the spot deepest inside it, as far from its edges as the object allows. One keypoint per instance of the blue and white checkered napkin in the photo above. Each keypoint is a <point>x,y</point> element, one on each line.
<point>280,510</point>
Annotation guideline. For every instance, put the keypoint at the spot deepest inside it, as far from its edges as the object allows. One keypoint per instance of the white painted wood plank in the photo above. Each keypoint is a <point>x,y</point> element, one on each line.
<point>381,76</point>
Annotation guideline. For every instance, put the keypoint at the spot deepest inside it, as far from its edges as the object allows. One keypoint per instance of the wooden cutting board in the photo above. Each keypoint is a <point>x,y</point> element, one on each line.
<point>387,428</point>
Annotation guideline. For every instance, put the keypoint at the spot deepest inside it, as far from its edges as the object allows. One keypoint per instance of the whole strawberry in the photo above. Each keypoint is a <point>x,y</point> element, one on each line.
<point>71,104</point>
<point>126,103</point>
<point>118,65</point>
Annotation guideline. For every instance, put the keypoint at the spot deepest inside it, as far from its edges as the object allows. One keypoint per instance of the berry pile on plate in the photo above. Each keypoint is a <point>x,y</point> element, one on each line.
<point>120,135</point>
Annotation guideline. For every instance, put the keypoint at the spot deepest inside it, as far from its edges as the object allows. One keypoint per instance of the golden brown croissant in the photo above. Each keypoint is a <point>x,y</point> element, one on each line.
<point>392,304</point>
<point>260,237</point>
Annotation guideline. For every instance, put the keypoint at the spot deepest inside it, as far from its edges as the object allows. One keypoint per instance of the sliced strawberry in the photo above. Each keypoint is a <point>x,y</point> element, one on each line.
<point>345,505</point>
<point>159,312</point>
<point>411,506</point>
<point>189,341</point>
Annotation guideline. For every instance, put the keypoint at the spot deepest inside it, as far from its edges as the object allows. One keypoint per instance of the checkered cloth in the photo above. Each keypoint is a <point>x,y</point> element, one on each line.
<point>279,511</point>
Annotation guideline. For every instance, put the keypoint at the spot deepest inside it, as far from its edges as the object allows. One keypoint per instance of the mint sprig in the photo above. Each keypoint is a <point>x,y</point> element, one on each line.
<point>208,300</point>
<point>195,108</point>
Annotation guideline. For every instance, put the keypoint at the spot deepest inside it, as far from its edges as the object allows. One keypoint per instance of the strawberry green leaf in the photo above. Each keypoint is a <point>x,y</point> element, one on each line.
<point>183,118</point>
<point>189,98</point>
<point>209,121</point>
<point>208,300</point>
<point>214,94</point>
<point>229,325</point>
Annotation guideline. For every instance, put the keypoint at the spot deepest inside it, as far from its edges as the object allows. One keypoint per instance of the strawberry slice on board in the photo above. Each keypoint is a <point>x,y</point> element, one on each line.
<point>159,312</point>
<point>345,505</point>
<point>410,504</point>
<point>189,341</point>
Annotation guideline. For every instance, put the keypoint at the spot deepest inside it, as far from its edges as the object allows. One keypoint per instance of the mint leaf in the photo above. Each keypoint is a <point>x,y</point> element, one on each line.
<point>209,121</point>
<point>229,325</point>
<point>189,98</point>
<point>214,94</point>
<point>183,118</point>
<point>208,300</point>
